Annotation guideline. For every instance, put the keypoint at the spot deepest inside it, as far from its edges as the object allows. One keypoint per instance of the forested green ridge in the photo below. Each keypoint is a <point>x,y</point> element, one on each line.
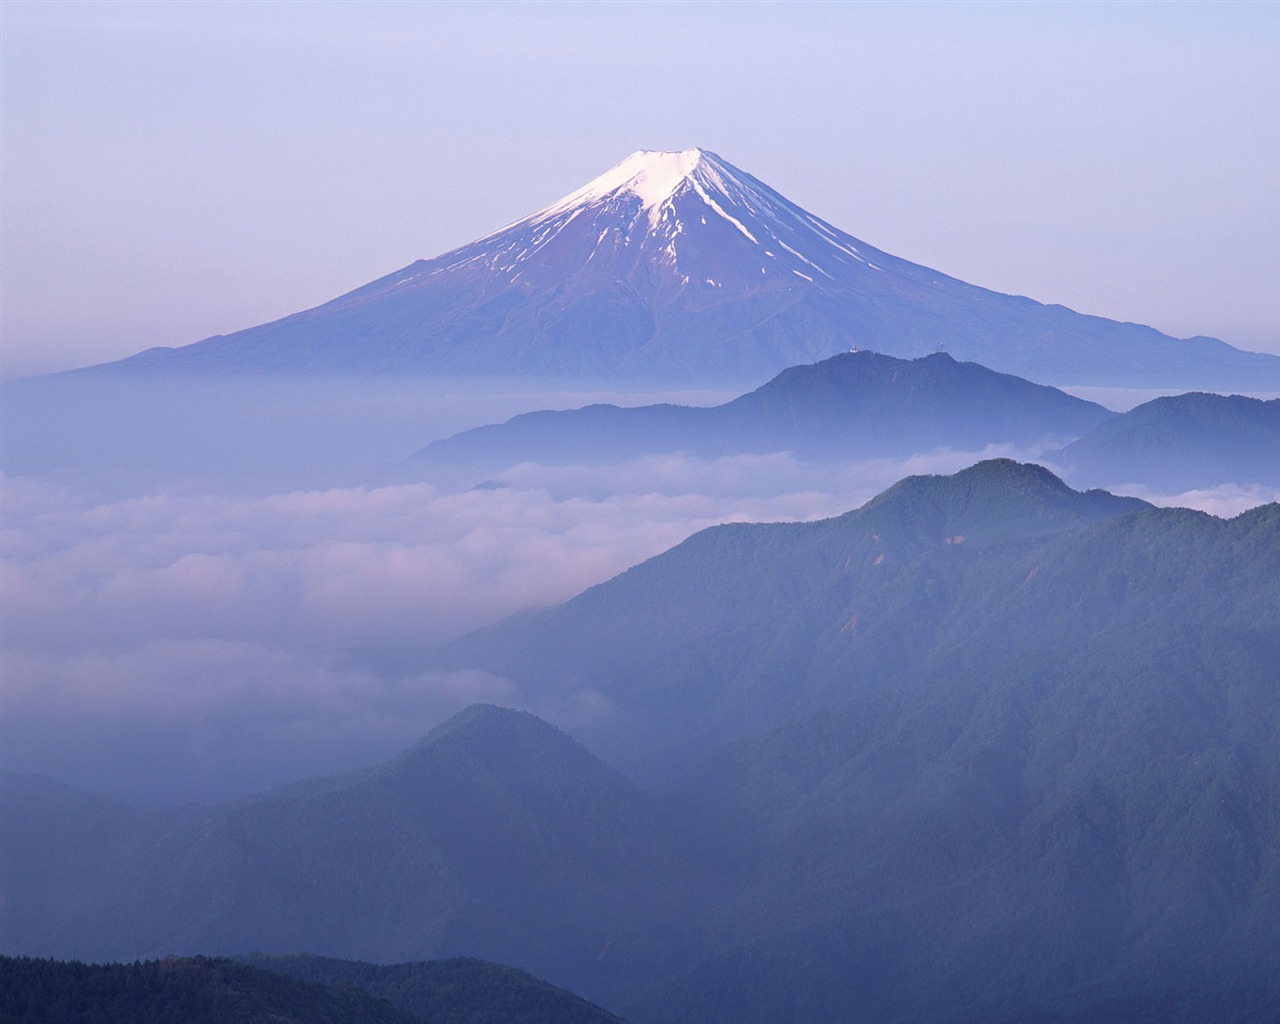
<point>257,989</point>
<point>193,990</point>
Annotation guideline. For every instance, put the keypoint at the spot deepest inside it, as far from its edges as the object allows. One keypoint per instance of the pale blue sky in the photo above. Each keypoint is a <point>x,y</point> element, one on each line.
<point>173,171</point>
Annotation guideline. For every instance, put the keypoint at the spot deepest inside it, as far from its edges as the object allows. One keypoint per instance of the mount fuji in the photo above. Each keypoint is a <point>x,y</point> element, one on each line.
<point>678,266</point>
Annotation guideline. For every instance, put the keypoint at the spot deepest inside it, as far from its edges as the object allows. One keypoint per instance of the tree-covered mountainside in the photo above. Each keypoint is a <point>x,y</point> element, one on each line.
<point>858,405</point>
<point>459,991</point>
<point>746,625</point>
<point>1179,443</point>
<point>257,989</point>
<point>192,990</point>
<point>985,749</point>
<point>1089,835</point>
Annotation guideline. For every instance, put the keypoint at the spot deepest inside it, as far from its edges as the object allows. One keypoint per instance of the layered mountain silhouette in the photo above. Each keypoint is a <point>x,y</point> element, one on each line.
<point>852,406</point>
<point>985,749</point>
<point>679,266</point>
<point>496,836</point>
<point>1179,443</point>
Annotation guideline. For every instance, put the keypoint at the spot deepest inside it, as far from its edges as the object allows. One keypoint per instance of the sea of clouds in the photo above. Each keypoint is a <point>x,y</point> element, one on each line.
<point>194,646</point>
<point>179,639</point>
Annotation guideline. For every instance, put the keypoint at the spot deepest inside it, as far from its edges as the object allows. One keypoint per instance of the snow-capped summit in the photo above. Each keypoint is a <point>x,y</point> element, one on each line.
<point>690,219</point>
<point>681,266</point>
<point>649,175</point>
<point>656,179</point>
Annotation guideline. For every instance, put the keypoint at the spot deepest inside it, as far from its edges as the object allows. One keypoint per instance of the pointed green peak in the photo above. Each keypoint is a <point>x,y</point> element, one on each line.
<point>989,502</point>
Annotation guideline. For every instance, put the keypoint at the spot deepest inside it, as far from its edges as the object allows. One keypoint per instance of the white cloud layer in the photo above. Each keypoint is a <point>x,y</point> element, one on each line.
<point>191,646</point>
<point>178,645</point>
<point>1226,500</point>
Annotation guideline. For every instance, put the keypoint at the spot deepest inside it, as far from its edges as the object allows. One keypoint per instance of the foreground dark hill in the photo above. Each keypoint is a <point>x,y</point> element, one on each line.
<point>682,267</point>
<point>857,405</point>
<point>1181,442</point>
<point>193,991</point>
<point>496,836</point>
<point>283,989</point>
<point>460,991</point>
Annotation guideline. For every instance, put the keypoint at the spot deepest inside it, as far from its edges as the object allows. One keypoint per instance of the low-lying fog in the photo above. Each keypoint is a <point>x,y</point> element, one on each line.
<point>185,567</point>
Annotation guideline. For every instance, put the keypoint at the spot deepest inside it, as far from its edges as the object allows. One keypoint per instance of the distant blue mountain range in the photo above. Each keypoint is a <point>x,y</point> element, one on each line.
<point>1181,442</point>
<point>852,406</point>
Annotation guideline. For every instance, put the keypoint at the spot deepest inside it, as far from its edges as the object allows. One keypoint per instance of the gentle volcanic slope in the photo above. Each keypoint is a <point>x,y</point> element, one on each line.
<point>682,266</point>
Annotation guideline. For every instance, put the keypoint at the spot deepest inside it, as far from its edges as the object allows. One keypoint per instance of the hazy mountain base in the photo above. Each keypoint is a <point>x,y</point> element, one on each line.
<point>495,836</point>
<point>128,434</point>
<point>156,609</point>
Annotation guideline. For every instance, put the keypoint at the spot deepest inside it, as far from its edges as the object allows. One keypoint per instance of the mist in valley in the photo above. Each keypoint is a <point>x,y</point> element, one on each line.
<point>187,566</point>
